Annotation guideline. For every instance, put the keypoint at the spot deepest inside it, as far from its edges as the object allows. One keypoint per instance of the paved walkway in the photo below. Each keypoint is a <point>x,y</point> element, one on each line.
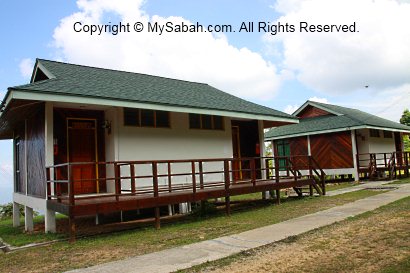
<point>361,186</point>
<point>189,255</point>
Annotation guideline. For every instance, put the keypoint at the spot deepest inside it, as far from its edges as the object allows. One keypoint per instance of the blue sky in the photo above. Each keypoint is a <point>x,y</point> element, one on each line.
<point>280,71</point>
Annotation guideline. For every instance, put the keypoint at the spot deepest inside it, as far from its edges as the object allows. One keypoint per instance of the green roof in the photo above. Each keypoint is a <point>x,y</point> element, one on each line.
<point>85,81</point>
<point>342,119</point>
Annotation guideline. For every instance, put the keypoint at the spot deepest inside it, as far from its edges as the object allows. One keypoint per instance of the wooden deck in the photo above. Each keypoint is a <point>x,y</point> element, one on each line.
<point>384,165</point>
<point>206,179</point>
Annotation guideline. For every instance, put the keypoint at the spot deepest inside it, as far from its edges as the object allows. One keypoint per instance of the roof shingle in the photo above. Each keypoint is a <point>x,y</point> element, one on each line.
<point>347,118</point>
<point>102,83</point>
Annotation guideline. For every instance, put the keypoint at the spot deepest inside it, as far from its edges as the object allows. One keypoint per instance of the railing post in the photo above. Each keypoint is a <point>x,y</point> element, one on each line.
<point>276,161</point>
<point>132,173</point>
<point>406,155</point>
<point>253,171</point>
<point>201,175</point>
<point>277,179</point>
<point>156,193</point>
<point>70,185</point>
<point>117,172</point>
<point>267,168</point>
<point>385,160</point>
<point>287,166</point>
<point>193,177</point>
<point>322,179</point>
<point>311,175</point>
<point>227,184</point>
<point>169,177</point>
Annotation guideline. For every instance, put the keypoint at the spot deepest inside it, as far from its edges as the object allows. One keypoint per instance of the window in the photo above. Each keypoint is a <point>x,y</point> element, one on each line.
<point>206,122</point>
<point>374,133</point>
<point>387,134</point>
<point>146,118</point>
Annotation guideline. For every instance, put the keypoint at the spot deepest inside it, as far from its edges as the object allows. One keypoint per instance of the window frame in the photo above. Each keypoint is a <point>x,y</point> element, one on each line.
<point>387,134</point>
<point>201,122</point>
<point>139,118</point>
<point>374,133</point>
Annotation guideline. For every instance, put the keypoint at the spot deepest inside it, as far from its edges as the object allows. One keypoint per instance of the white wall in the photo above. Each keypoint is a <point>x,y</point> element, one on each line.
<point>129,143</point>
<point>374,145</point>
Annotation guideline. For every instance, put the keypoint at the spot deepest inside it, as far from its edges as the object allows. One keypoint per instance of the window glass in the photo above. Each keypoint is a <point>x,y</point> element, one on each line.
<point>206,122</point>
<point>131,117</point>
<point>388,134</point>
<point>162,119</point>
<point>194,121</point>
<point>218,123</point>
<point>147,118</point>
<point>374,133</point>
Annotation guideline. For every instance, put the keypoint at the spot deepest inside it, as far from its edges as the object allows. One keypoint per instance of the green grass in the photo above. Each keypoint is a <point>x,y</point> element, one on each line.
<point>119,245</point>
<point>400,267</point>
<point>401,181</point>
<point>18,237</point>
<point>361,254</point>
<point>338,186</point>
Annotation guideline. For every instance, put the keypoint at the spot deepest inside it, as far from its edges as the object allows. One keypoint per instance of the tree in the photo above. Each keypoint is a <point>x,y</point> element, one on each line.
<point>405,119</point>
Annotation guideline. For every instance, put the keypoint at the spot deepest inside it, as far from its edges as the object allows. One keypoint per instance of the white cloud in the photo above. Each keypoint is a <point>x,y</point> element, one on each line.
<point>389,103</point>
<point>323,100</point>
<point>290,109</point>
<point>199,57</point>
<point>334,63</point>
<point>26,67</point>
<point>6,183</point>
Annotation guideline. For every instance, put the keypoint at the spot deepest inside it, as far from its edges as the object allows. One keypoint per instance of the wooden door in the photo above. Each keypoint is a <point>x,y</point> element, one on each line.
<point>82,143</point>
<point>236,148</point>
<point>283,149</point>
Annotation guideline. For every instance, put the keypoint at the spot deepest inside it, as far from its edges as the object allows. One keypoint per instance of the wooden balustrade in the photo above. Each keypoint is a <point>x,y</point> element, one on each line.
<point>391,165</point>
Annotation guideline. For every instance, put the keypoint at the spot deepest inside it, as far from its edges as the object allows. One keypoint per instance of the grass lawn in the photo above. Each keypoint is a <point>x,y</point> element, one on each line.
<point>376,241</point>
<point>89,251</point>
<point>338,186</point>
<point>18,237</point>
<point>329,187</point>
<point>401,181</point>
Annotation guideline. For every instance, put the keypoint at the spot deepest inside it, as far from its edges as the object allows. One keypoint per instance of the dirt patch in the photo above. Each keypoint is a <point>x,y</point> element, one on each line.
<point>368,244</point>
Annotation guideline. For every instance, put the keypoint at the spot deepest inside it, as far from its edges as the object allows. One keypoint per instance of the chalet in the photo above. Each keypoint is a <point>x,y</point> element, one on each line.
<point>89,141</point>
<point>343,141</point>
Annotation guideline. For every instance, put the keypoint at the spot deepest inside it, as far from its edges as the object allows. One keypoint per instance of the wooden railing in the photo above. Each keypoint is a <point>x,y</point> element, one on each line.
<point>159,177</point>
<point>391,165</point>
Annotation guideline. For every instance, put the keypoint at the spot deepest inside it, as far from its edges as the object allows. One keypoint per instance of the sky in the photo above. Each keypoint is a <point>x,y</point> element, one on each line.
<point>367,67</point>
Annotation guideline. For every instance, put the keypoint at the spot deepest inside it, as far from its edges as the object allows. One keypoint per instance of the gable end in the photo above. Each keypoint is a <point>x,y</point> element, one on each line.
<point>311,112</point>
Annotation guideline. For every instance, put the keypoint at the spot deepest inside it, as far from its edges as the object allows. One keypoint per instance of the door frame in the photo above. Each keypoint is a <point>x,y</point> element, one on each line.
<point>238,148</point>
<point>97,184</point>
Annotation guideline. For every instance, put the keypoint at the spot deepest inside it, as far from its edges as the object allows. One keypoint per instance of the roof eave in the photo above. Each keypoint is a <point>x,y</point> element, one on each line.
<point>38,96</point>
<point>337,130</point>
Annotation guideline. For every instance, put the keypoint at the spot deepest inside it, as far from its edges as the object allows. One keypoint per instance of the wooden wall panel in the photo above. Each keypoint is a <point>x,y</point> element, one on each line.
<point>299,146</point>
<point>332,151</point>
<point>19,133</point>
<point>36,180</point>
<point>310,112</point>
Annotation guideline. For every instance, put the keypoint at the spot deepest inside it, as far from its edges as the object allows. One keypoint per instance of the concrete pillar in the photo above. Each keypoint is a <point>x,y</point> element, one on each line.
<point>184,208</point>
<point>16,214</point>
<point>170,210</point>
<point>28,218</point>
<point>50,221</point>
